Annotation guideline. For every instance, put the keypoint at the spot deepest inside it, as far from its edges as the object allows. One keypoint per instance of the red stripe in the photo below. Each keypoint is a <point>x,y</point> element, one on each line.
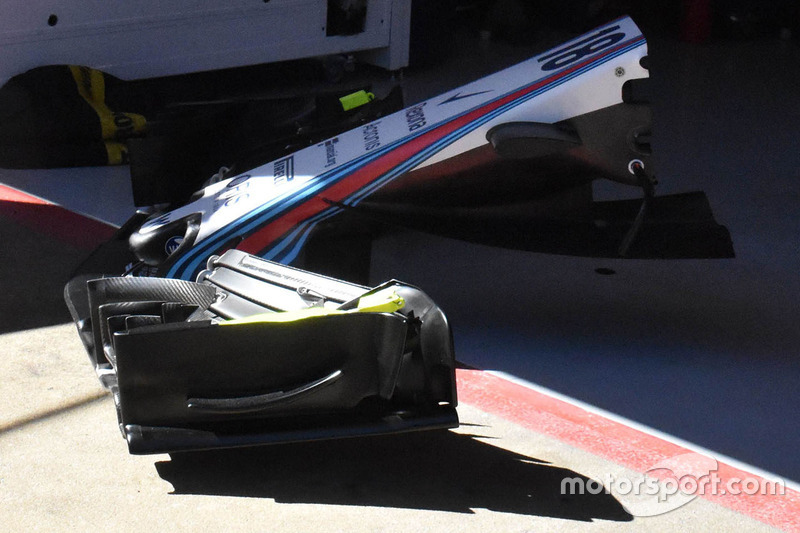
<point>52,220</point>
<point>268,234</point>
<point>9,194</point>
<point>612,440</point>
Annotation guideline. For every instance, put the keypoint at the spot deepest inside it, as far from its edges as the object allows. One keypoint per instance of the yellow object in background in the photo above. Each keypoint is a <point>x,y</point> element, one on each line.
<point>356,99</point>
<point>113,124</point>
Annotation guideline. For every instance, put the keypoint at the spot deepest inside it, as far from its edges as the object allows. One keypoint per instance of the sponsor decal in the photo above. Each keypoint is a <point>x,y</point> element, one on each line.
<point>232,195</point>
<point>574,52</point>
<point>155,223</point>
<point>372,137</point>
<point>235,182</point>
<point>283,170</point>
<point>459,96</point>
<point>415,117</point>
<point>330,151</point>
<point>172,244</point>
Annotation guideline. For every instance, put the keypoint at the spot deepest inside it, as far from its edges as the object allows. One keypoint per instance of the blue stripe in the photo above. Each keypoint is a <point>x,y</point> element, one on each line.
<point>275,251</point>
<point>423,155</point>
<point>292,255</point>
<point>262,214</point>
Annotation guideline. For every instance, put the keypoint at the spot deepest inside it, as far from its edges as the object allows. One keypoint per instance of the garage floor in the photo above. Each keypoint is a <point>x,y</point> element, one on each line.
<point>706,350</point>
<point>703,352</point>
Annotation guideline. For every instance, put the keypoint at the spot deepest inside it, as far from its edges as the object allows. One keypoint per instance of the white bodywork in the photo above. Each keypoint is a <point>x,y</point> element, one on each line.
<point>224,203</point>
<point>272,210</point>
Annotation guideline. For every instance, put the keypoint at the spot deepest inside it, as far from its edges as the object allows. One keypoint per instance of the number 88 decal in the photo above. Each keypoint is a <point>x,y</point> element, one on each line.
<point>574,52</point>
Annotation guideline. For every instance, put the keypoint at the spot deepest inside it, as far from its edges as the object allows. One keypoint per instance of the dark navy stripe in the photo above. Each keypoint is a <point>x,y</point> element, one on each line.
<point>262,214</point>
<point>360,195</point>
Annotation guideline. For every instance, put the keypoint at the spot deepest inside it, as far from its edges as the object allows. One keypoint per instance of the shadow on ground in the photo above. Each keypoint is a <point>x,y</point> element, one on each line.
<point>40,246</point>
<point>443,471</point>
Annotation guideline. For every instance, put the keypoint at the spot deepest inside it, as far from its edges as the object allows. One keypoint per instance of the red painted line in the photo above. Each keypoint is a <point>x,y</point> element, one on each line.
<point>267,235</point>
<point>9,194</point>
<point>52,220</point>
<point>612,440</point>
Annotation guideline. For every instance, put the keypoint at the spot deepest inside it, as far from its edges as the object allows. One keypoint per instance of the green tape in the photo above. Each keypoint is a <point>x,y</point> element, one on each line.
<point>356,99</point>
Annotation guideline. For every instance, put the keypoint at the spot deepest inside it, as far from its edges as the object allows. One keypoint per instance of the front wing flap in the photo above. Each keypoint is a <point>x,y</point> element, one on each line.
<point>257,352</point>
